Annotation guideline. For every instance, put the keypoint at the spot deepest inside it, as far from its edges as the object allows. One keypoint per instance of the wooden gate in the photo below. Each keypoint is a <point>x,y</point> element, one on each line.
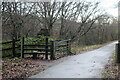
<point>10,48</point>
<point>49,49</point>
<point>61,48</point>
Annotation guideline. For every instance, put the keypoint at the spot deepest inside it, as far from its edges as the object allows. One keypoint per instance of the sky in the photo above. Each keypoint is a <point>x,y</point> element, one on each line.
<point>111,6</point>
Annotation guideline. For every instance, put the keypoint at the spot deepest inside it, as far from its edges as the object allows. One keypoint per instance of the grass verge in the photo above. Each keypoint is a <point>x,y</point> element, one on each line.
<point>81,49</point>
<point>112,69</point>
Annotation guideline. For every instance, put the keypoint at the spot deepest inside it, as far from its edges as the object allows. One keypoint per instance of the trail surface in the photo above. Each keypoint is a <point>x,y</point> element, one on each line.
<point>86,65</point>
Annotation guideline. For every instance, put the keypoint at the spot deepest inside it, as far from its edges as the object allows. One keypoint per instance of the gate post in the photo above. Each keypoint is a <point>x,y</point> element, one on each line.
<point>52,51</point>
<point>13,46</point>
<point>22,47</point>
<point>118,52</point>
<point>46,48</point>
<point>69,46</point>
<point>118,45</point>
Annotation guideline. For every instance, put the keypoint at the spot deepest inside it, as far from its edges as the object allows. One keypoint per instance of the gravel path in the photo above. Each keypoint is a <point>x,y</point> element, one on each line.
<point>87,65</point>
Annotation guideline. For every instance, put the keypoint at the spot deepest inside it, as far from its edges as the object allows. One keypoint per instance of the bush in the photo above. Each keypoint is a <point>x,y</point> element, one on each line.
<point>36,40</point>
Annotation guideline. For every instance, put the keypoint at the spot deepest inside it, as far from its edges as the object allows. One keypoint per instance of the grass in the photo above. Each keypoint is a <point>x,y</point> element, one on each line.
<point>85,48</point>
<point>82,49</point>
<point>12,59</point>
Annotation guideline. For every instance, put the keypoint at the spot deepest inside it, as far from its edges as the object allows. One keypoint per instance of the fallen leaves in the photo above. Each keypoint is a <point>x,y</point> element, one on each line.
<point>20,69</point>
<point>112,70</point>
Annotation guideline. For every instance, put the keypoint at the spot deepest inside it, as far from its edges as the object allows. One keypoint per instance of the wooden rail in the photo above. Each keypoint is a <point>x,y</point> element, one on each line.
<point>10,41</point>
<point>48,49</point>
<point>59,47</point>
<point>12,47</point>
<point>36,49</point>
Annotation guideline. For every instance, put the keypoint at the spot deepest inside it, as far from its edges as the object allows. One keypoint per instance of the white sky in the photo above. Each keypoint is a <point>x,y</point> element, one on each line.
<point>110,6</point>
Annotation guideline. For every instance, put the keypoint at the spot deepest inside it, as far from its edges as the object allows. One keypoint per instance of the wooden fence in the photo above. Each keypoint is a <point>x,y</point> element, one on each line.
<point>61,48</point>
<point>10,46</point>
<point>34,49</point>
<point>49,49</point>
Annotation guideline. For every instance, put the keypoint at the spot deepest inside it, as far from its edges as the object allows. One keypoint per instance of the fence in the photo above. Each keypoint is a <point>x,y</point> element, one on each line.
<point>61,48</point>
<point>34,49</point>
<point>49,49</point>
<point>9,48</point>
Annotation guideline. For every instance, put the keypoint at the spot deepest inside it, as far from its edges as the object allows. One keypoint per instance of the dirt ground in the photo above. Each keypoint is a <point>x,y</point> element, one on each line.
<point>22,68</point>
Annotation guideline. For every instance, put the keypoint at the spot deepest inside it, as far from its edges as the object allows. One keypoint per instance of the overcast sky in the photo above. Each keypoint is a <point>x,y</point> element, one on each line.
<point>110,6</point>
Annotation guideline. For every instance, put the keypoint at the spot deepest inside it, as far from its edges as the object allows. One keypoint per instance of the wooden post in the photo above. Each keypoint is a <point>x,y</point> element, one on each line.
<point>22,47</point>
<point>46,48</point>
<point>34,56</point>
<point>52,57</point>
<point>13,48</point>
<point>69,46</point>
<point>118,52</point>
<point>118,45</point>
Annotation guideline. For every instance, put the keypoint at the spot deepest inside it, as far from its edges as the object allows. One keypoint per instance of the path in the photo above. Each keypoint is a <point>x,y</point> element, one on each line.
<point>86,65</point>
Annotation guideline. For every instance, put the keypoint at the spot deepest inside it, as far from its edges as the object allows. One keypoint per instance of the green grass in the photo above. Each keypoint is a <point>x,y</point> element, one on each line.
<point>82,49</point>
<point>6,53</point>
<point>85,48</point>
<point>12,59</point>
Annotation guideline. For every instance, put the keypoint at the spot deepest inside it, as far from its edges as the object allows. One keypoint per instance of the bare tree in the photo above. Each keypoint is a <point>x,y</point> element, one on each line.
<point>14,16</point>
<point>84,13</point>
<point>49,13</point>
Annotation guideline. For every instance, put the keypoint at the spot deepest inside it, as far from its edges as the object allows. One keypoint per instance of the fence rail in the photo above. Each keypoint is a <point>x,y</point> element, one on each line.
<point>61,48</point>
<point>37,45</point>
<point>49,49</point>
<point>11,46</point>
<point>10,41</point>
<point>36,49</point>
